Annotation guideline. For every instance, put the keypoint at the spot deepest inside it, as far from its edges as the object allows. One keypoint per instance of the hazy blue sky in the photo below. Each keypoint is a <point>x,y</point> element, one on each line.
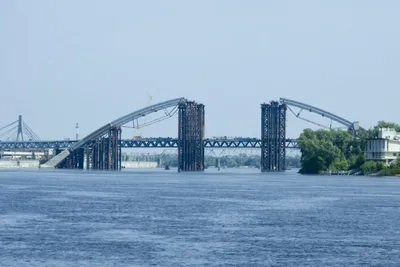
<point>90,62</point>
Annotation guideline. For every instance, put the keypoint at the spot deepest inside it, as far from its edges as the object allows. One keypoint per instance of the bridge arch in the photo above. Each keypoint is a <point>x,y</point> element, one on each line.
<point>102,131</point>
<point>351,126</point>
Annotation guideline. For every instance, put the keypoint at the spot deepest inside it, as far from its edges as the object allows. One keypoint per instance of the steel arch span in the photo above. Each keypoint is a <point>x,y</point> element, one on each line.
<point>351,126</point>
<point>102,131</point>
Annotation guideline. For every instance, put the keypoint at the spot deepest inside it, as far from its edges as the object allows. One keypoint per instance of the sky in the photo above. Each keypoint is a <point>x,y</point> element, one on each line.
<point>92,61</point>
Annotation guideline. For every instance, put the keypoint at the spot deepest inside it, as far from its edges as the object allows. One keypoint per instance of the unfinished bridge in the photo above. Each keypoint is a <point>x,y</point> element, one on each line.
<point>101,150</point>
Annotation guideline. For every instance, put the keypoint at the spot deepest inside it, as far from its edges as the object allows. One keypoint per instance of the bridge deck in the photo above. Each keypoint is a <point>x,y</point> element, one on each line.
<point>146,143</point>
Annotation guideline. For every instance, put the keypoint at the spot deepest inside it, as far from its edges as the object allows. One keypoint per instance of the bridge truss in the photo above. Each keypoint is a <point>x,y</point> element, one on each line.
<point>244,142</point>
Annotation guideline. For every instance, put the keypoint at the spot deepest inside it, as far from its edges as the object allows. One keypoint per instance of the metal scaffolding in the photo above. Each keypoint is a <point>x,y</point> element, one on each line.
<point>273,137</point>
<point>114,149</point>
<point>101,154</point>
<point>191,121</point>
<point>74,161</point>
<point>105,153</point>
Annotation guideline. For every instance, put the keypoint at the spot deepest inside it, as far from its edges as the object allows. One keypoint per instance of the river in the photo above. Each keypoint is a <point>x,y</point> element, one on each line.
<point>227,218</point>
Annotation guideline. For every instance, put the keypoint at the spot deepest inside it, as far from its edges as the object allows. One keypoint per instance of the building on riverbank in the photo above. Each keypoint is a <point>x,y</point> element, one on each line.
<point>385,148</point>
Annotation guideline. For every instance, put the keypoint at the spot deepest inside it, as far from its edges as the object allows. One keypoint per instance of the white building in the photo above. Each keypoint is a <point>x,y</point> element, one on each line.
<point>386,147</point>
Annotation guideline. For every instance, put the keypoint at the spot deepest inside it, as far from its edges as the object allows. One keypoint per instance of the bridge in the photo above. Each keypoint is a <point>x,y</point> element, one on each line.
<point>101,150</point>
<point>160,142</point>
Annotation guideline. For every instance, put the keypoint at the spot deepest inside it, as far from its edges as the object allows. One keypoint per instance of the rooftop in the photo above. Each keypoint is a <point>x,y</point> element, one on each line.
<point>389,133</point>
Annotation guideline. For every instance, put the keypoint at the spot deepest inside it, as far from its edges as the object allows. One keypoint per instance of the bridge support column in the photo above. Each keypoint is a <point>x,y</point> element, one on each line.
<point>114,149</point>
<point>218,163</point>
<point>73,161</point>
<point>88,156</point>
<point>99,158</point>
<point>80,154</point>
<point>191,135</point>
<point>273,137</point>
<point>93,156</point>
<point>105,152</point>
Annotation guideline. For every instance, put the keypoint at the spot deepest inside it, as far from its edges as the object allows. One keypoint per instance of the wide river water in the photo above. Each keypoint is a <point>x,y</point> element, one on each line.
<point>227,218</point>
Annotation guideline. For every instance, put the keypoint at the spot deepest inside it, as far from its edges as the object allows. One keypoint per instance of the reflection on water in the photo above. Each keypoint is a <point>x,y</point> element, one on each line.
<point>70,218</point>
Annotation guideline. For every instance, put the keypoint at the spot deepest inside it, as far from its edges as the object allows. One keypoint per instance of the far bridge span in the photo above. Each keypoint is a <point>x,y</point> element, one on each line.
<point>157,142</point>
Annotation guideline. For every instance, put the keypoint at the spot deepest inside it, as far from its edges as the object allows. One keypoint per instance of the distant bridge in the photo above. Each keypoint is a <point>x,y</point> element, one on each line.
<point>245,142</point>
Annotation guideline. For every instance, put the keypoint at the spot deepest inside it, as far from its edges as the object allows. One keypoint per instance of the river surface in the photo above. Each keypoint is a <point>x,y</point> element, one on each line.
<point>228,218</point>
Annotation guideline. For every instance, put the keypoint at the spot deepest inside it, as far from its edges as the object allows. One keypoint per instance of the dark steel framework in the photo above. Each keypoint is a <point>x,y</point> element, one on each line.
<point>104,130</point>
<point>191,136</point>
<point>159,142</point>
<point>273,136</point>
<point>103,153</point>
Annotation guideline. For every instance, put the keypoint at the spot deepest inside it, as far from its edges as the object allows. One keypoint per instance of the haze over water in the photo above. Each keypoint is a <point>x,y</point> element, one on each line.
<point>165,218</point>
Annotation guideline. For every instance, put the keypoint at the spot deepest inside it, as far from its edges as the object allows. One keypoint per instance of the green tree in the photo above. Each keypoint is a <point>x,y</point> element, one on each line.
<point>397,163</point>
<point>340,165</point>
<point>356,160</point>
<point>318,155</point>
<point>324,150</point>
<point>369,167</point>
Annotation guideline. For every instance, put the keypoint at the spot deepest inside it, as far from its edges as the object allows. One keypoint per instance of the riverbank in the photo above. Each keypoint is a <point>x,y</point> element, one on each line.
<point>19,164</point>
<point>34,164</point>
<point>380,175</point>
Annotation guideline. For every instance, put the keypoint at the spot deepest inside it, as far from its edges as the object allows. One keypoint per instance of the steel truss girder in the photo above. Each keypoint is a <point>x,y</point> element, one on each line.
<point>273,137</point>
<point>245,142</point>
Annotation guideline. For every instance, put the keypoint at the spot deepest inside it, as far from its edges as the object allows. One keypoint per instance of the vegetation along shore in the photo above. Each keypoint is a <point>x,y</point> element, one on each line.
<point>324,151</point>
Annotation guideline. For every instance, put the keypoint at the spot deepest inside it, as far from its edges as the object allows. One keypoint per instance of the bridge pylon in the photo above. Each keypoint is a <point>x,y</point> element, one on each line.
<point>273,137</point>
<point>17,131</point>
<point>191,121</point>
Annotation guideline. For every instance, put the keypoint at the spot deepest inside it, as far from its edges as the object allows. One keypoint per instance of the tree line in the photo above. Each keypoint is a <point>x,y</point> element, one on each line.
<point>337,150</point>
